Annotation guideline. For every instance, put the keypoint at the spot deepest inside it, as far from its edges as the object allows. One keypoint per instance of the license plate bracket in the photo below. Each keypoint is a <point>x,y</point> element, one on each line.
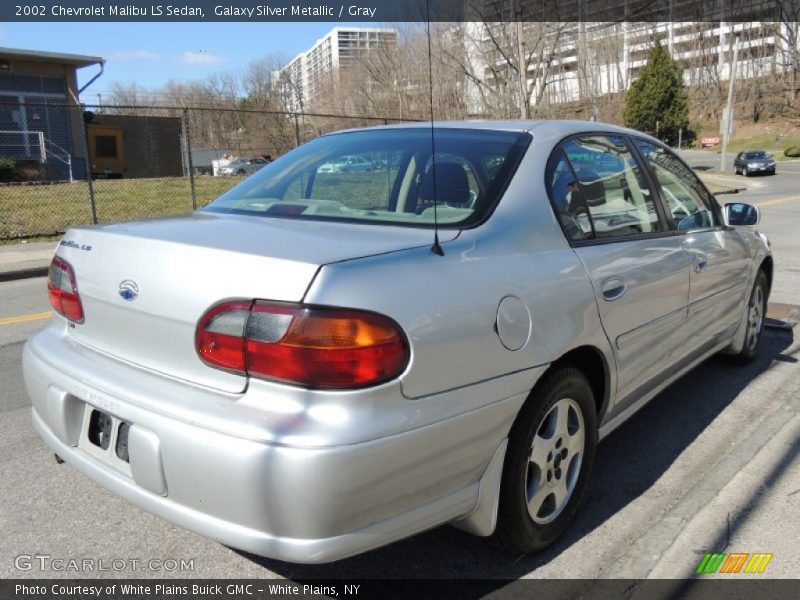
<point>100,429</point>
<point>105,437</point>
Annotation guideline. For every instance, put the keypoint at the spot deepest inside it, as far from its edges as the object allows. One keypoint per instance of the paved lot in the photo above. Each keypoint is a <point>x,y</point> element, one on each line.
<point>712,463</point>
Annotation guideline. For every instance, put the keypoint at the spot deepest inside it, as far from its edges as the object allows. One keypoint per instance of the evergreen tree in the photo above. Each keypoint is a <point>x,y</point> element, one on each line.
<point>657,99</point>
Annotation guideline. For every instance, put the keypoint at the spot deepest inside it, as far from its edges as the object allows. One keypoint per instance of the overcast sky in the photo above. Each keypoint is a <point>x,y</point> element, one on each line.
<point>153,53</point>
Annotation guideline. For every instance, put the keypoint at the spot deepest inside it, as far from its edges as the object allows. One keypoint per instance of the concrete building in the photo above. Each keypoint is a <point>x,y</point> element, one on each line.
<point>39,112</point>
<point>132,146</point>
<point>589,59</point>
<point>613,54</point>
<point>301,79</point>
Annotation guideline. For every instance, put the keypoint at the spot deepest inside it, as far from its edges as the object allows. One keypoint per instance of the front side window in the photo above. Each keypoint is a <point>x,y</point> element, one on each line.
<point>612,189</point>
<point>685,197</point>
<point>384,176</point>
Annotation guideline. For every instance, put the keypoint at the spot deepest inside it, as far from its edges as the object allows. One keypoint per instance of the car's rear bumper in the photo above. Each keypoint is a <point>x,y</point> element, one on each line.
<point>292,503</point>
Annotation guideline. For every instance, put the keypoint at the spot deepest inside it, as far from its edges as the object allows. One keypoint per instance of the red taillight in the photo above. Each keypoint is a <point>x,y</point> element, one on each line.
<point>63,289</point>
<point>327,348</point>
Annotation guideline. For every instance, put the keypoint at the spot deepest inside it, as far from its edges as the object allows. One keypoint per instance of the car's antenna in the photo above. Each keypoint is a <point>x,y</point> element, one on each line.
<point>437,247</point>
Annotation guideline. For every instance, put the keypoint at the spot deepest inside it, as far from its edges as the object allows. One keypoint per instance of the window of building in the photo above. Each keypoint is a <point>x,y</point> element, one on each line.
<point>105,146</point>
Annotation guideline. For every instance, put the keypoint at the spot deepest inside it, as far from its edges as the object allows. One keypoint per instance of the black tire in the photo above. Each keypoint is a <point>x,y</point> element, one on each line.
<point>751,347</point>
<point>517,531</point>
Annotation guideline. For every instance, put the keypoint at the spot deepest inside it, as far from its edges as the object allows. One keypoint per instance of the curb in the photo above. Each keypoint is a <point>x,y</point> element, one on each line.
<point>28,273</point>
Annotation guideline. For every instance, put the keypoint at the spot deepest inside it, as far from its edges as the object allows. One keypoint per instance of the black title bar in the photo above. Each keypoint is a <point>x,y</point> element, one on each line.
<point>386,11</point>
<point>705,588</point>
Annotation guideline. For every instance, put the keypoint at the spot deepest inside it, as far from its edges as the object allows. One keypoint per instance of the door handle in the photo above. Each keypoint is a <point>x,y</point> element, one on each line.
<point>613,288</point>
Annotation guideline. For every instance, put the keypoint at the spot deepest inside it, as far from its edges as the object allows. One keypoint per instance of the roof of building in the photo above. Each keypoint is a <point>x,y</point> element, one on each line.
<point>78,60</point>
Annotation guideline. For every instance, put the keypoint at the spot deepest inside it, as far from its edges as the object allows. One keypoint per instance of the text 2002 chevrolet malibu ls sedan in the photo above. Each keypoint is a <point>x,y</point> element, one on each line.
<point>296,371</point>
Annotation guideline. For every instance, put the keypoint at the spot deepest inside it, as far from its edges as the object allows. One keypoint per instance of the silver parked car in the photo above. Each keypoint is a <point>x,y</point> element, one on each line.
<point>244,166</point>
<point>311,367</point>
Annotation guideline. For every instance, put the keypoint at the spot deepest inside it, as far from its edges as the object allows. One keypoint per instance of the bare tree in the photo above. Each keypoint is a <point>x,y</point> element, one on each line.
<point>259,81</point>
<point>129,94</point>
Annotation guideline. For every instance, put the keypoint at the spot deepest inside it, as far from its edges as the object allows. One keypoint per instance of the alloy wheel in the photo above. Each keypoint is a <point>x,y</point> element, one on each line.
<point>555,461</point>
<point>755,317</point>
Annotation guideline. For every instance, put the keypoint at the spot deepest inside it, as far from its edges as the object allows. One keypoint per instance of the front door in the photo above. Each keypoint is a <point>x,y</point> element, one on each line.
<point>639,269</point>
<point>719,257</point>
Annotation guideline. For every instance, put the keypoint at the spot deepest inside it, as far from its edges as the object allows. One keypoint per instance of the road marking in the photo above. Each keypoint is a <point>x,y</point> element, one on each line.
<point>778,200</point>
<point>25,318</point>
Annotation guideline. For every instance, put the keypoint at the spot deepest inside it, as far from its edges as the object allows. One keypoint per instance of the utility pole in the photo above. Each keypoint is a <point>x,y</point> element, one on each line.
<point>727,117</point>
<point>523,71</point>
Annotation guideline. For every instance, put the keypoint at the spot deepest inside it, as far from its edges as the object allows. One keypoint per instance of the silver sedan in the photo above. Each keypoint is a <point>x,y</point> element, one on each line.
<point>314,366</point>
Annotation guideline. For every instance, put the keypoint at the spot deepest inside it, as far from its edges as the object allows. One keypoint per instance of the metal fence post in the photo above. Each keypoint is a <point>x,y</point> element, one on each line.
<point>84,129</point>
<point>188,137</point>
<point>296,131</point>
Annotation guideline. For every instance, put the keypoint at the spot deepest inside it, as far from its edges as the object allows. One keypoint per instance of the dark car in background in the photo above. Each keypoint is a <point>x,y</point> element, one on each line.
<point>751,162</point>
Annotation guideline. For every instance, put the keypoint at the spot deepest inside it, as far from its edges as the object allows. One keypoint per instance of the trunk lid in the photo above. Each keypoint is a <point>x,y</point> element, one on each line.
<point>145,285</point>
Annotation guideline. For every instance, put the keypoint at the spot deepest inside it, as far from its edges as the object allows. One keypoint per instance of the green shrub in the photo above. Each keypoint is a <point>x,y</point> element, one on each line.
<point>657,102</point>
<point>6,169</point>
<point>792,152</point>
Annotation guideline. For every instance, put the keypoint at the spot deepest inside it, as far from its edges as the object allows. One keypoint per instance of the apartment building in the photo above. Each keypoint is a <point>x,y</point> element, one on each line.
<point>577,60</point>
<point>301,80</point>
<point>592,59</point>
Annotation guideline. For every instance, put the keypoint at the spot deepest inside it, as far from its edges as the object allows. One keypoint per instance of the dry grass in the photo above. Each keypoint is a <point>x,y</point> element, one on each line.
<point>42,210</point>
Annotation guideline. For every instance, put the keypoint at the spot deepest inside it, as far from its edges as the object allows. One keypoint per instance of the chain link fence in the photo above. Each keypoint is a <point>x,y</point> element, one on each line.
<point>64,165</point>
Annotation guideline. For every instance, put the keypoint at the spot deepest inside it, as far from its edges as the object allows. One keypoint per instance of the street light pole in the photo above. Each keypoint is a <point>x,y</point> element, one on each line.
<point>522,71</point>
<point>727,119</point>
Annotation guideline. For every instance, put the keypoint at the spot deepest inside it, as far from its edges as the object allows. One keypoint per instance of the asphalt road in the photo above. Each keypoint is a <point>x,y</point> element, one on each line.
<point>712,160</point>
<point>664,486</point>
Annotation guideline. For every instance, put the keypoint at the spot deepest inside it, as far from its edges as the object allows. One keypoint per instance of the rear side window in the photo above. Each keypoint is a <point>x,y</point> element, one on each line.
<point>606,189</point>
<point>685,197</point>
<point>567,199</point>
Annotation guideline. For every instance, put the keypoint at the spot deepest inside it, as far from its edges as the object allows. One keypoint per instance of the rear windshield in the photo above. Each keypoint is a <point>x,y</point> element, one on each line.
<point>384,176</point>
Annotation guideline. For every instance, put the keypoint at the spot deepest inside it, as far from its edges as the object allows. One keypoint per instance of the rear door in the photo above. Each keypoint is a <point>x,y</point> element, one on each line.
<point>719,257</point>
<point>638,268</point>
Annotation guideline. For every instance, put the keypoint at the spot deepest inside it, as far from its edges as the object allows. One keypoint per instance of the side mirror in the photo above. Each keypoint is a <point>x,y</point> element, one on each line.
<point>739,213</point>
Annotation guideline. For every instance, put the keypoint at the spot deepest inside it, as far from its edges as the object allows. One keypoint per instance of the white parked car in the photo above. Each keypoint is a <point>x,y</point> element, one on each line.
<point>347,164</point>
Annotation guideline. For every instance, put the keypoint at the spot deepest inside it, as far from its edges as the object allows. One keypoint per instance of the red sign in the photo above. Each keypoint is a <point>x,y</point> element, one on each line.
<point>709,140</point>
